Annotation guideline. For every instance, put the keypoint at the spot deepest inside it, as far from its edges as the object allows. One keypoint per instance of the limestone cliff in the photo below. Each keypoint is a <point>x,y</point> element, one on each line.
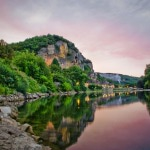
<point>65,55</point>
<point>120,78</point>
<point>54,46</point>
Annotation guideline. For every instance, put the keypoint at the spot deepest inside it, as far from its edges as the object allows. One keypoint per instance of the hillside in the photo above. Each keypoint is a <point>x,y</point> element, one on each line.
<point>51,47</point>
<point>120,78</point>
<point>46,63</point>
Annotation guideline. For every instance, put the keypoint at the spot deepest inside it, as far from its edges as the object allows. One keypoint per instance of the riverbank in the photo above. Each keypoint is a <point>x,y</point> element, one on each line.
<point>13,135</point>
<point>19,98</point>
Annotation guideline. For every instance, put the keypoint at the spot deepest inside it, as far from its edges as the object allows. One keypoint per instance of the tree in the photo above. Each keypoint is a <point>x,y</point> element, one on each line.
<point>144,82</point>
<point>31,64</point>
<point>76,74</point>
<point>6,52</point>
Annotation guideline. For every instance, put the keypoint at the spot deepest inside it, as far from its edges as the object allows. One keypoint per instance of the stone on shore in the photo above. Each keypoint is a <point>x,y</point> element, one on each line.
<point>13,135</point>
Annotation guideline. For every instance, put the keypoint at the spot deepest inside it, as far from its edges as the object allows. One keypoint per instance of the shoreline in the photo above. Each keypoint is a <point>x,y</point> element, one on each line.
<point>20,98</point>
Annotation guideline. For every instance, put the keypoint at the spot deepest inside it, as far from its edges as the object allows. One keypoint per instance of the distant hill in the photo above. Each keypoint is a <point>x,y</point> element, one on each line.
<point>120,78</point>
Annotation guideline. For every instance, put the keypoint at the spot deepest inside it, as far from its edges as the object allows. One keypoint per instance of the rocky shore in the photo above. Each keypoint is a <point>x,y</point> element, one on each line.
<point>17,98</point>
<point>13,135</point>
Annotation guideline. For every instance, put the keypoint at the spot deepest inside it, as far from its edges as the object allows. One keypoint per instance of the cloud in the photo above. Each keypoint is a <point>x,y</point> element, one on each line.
<point>117,30</point>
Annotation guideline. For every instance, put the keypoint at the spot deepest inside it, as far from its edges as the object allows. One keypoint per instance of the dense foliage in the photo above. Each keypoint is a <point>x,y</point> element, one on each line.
<point>6,51</point>
<point>11,80</point>
<point>34,44</point>
<point>144,82</point>
<point>27,72</point>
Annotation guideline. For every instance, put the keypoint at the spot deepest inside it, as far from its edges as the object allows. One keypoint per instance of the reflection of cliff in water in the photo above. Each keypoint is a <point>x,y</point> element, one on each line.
<point>59,121</point>
<point>121,100</point>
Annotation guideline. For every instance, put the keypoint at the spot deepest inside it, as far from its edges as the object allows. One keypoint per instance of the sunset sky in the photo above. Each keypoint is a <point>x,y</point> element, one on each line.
<point>113,34</point>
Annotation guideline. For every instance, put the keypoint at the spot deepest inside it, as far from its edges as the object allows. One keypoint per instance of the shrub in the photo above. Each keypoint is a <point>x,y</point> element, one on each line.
<point>43,88</point>
<point>2,90</point>
<point>66,86</point>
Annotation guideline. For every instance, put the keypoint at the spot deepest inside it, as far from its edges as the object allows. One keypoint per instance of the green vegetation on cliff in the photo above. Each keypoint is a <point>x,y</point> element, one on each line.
<point>34,44</point>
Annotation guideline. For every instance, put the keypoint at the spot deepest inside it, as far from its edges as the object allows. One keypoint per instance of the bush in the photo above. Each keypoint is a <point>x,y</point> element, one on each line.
<point>2,90</point>
<point>22,87</point>
<point>76,88</point>
<point>66,86</point>
<point>43,89</point>
<point>31,64</point>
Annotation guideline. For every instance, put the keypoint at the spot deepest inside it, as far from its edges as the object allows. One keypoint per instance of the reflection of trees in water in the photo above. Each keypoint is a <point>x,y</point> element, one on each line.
<point>145,97</point>
<point>59,121</point>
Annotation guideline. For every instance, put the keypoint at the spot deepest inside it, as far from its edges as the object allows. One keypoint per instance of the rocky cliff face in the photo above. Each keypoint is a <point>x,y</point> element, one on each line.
<point>65,55</point>
<point>111,76</point>
<point>120,78</point>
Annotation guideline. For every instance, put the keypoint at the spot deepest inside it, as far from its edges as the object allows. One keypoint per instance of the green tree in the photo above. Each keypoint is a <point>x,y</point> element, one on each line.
<point>76,75</point>
<point>6,52</point>
<point>147,76</point>
<point>31,64</point>
<point>144,81</point>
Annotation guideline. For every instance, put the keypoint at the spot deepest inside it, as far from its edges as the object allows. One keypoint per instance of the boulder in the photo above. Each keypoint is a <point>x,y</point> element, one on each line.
<point>9,121</point>
<point>5,110</point>
<point>36,138</point>
<point>20,96</point>
<point>14,112</point>
<point>27,128</point>
<point>11,138</point>
<point>35,96</point>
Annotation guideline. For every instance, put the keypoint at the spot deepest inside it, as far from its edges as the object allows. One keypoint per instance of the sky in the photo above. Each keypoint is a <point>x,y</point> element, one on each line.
<point>113,34</point>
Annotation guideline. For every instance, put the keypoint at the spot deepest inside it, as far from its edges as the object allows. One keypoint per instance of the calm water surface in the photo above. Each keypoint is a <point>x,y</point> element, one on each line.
<point>91,122</point>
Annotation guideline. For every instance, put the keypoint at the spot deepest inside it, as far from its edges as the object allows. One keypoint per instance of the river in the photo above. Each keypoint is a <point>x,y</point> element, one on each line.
<point>118,121</point>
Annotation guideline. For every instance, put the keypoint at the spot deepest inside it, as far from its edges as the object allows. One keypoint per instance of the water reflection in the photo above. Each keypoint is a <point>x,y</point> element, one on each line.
<point>59,121</point>
<point>145,97</point>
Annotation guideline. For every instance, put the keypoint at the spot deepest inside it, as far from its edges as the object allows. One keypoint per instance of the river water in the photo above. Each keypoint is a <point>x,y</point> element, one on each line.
<point>118,121</point>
